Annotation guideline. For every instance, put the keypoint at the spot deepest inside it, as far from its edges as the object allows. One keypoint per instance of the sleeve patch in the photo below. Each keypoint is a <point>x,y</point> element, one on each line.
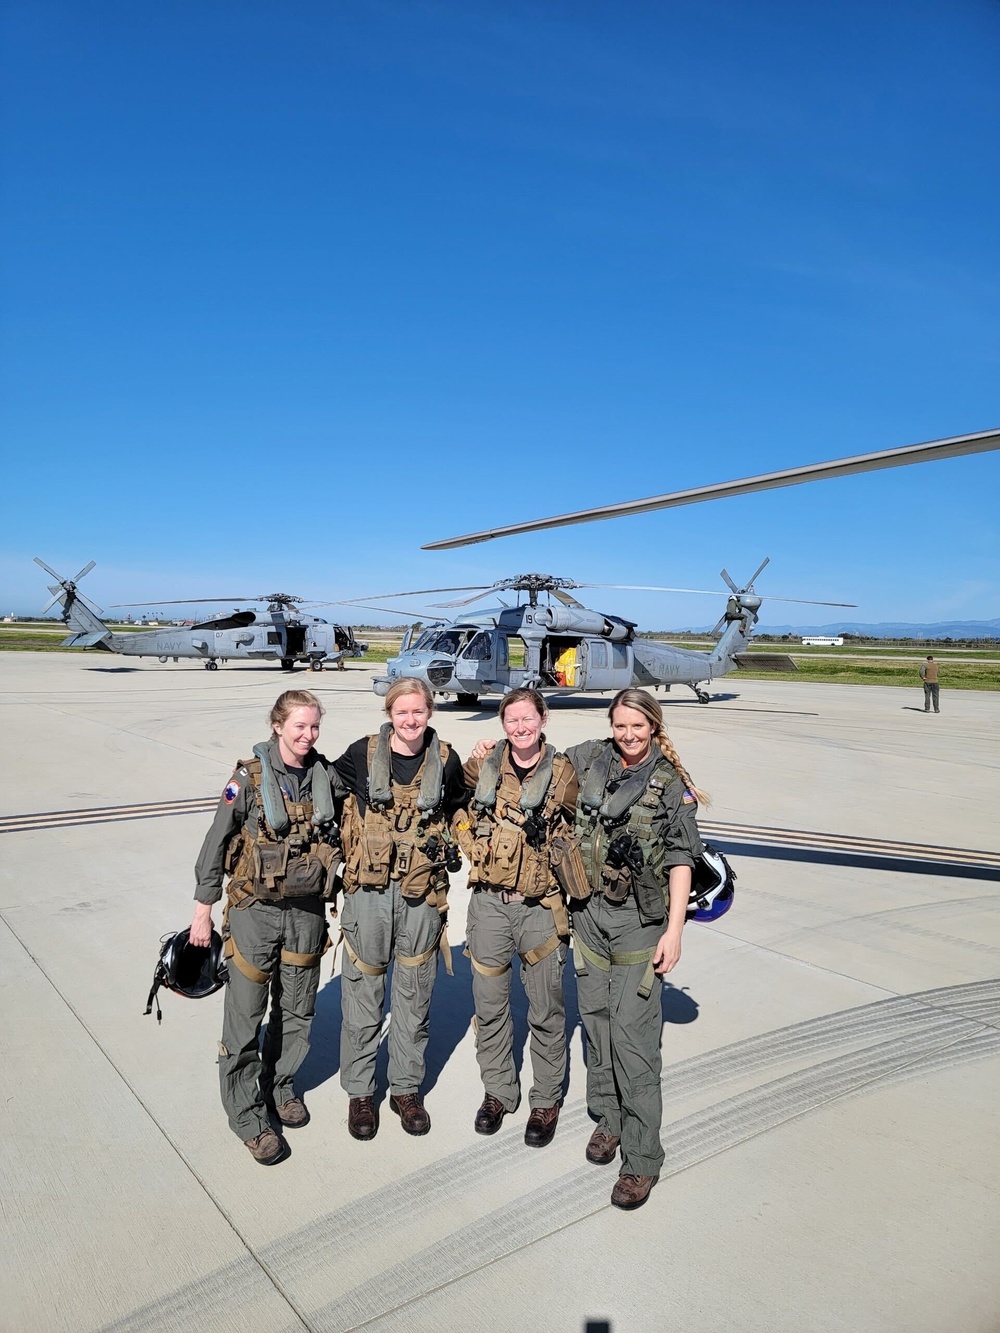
<point>689,797</point>
<point>230,792</point>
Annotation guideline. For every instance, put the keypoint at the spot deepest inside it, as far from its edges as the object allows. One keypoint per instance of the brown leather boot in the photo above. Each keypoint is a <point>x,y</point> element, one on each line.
<point>602,1148</point>
<point>541,1127</point>
<point>362,1118</point>
<point>632,1191</point>
<point>267,1148</point>
<point>409,1106</point>
<point>293,1114</point>
<point>490,1115</point>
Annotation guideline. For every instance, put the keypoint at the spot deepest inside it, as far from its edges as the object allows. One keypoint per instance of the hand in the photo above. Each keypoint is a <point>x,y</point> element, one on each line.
<point>482,748</point>
<point>668,954</point>
<point>200,934</point>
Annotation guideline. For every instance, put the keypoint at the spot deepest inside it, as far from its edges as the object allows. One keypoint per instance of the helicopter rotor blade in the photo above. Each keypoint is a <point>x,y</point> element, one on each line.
<point>728,579</point>
<point>750,581</point>
<point>928,452</point>
<point>85,570</point>
<point>464,601</point>
<point>185,601</point>
<point>562,596</point>
<point>49,570</point>
<point>415,592</point>
<point>51,602</point>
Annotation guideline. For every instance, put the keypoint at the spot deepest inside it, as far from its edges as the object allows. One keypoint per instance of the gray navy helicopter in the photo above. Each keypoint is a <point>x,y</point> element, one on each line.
<point>566,648</point>
<point>604,651</point>
<point>284,635</point>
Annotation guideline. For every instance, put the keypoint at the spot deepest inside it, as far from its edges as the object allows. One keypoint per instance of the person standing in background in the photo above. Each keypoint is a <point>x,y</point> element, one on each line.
<point>932,690</point>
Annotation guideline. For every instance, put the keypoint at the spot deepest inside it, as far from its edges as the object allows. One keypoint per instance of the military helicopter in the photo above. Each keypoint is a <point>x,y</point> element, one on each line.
<point>285,635</point>
<point>566,648</point>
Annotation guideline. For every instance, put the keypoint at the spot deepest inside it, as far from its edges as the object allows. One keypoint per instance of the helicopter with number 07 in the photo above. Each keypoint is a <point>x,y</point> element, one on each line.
<point>286,635</point>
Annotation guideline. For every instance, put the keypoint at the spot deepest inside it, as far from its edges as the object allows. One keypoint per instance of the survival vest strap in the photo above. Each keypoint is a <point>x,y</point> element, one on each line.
<point>534,788</point>
<point>380,771</point>
<point>273,801</point>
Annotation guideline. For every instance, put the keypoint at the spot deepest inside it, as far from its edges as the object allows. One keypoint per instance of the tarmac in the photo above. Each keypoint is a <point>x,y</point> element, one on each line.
<point>831,1046</point>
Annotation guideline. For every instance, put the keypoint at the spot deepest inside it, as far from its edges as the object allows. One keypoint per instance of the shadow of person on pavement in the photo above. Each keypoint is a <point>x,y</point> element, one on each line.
<point>323,1060</point>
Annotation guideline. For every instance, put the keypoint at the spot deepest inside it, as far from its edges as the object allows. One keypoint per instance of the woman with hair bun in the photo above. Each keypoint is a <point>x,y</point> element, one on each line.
<point>523,795</point>
<point>405,787</point>
<point>275,835</point>
<point>638,840</point>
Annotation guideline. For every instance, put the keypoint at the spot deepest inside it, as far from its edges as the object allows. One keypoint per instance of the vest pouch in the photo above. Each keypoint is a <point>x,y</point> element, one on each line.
<point>505,856</point>
<point>616,883</point>
<point>536,877</point>
<point>331,858</point>
<point>269,861</point>
<point>305,877</point>
<point>567,864</point>
<point>376,853</point>
<point>649,898</point>
<point>422,876</point>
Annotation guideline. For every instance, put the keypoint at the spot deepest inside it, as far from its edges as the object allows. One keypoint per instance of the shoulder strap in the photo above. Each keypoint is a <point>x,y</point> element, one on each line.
<point>380,767</point>
<point>489,777</point>
<point>274,803</point>
<point>595,780</point>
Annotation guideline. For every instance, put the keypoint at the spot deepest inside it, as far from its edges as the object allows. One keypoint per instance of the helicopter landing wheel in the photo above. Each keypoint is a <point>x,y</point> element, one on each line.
<point>211,666</point>
<point>315,665</point>
<point>467,700</point>
<point>703,696</point>
<point>288,664</point>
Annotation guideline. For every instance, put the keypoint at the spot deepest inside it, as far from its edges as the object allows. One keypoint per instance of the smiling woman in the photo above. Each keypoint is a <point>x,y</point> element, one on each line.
<point>274,834</point>
<point>405,786</point>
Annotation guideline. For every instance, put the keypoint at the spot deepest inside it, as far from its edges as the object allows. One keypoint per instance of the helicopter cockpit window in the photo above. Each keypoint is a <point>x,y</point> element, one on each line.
<point>273,637</point>
<point>480,649</point>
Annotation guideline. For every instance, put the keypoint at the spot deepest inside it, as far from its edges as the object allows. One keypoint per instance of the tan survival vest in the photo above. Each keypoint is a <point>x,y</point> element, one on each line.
<point>403,832</point>
<point>502,853</point>
<point>298,862</point>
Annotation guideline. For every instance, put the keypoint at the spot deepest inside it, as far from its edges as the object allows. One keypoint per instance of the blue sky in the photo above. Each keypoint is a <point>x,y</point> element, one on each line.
<point>290,289</point>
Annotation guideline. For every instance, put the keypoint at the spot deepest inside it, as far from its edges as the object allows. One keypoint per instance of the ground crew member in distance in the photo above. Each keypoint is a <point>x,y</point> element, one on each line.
<point>274,833</point>
<point>405,786</point>
<point>638,839</point>
<point>932,689</point>
<point>523,794</point>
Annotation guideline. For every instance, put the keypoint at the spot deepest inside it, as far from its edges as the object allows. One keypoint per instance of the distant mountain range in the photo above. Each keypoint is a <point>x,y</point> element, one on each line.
<point>947,629</point>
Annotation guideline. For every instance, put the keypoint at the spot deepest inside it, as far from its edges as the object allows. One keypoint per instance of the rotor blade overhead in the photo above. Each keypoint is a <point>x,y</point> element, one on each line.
<point>184,601</point>
<point>413,592</point>
<point>567,600</point>
<point>728,579</point>
<point>957,445</point>
<point>85,570</point>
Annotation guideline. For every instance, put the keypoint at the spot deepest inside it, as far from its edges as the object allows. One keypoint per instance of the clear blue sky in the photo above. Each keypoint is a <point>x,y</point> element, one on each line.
<point>290,288</point>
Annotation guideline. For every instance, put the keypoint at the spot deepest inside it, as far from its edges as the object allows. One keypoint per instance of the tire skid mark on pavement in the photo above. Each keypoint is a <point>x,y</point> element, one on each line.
<point>902,1037</point>
<point>584,1191</point>
<point>743,833</point>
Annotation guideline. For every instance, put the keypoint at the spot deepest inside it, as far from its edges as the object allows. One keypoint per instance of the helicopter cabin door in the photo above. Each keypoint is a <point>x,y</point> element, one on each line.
<point>477,662</point>
<point>604,665</point>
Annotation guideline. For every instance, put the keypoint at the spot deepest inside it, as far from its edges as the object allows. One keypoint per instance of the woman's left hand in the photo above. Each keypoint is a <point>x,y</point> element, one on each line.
<point>668,953</point>
<point>482,748</point>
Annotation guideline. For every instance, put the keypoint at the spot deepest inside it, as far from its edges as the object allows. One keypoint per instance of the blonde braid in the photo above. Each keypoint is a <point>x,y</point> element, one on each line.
<point>668,752</point>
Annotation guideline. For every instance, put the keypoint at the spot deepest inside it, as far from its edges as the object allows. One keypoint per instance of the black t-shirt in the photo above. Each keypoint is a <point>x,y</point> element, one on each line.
<point>521,773</point>
<point>353,769</point>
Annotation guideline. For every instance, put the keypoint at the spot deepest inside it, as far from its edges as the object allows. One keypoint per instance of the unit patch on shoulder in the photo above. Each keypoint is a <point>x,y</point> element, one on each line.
<point>689,797</point>
<point>230,792</point>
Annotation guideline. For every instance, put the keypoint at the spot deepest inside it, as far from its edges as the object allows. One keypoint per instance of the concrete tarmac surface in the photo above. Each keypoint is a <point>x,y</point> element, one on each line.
<point>831,1046</point>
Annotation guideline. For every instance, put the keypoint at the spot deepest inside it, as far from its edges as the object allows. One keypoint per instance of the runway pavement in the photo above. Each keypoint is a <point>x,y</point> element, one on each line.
<point>831,1046</point>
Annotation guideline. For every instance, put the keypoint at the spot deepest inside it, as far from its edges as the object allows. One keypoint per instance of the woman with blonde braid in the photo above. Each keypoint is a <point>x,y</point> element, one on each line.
<point>635,823</point>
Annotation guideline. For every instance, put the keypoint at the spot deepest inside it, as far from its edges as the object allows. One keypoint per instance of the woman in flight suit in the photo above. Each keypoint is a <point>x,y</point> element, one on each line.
<point>274,833</point>
<point>405,787</point>
<point>638,837</point>
<point>522,793</point>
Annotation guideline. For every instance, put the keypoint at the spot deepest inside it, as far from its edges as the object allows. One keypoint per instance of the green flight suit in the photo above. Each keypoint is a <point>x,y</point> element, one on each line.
<point>262,931</point>
<point>623,1027</point>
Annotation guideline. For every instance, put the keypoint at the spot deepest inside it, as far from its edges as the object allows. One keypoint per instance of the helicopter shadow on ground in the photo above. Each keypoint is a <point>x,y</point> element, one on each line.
<point>114,671</point>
